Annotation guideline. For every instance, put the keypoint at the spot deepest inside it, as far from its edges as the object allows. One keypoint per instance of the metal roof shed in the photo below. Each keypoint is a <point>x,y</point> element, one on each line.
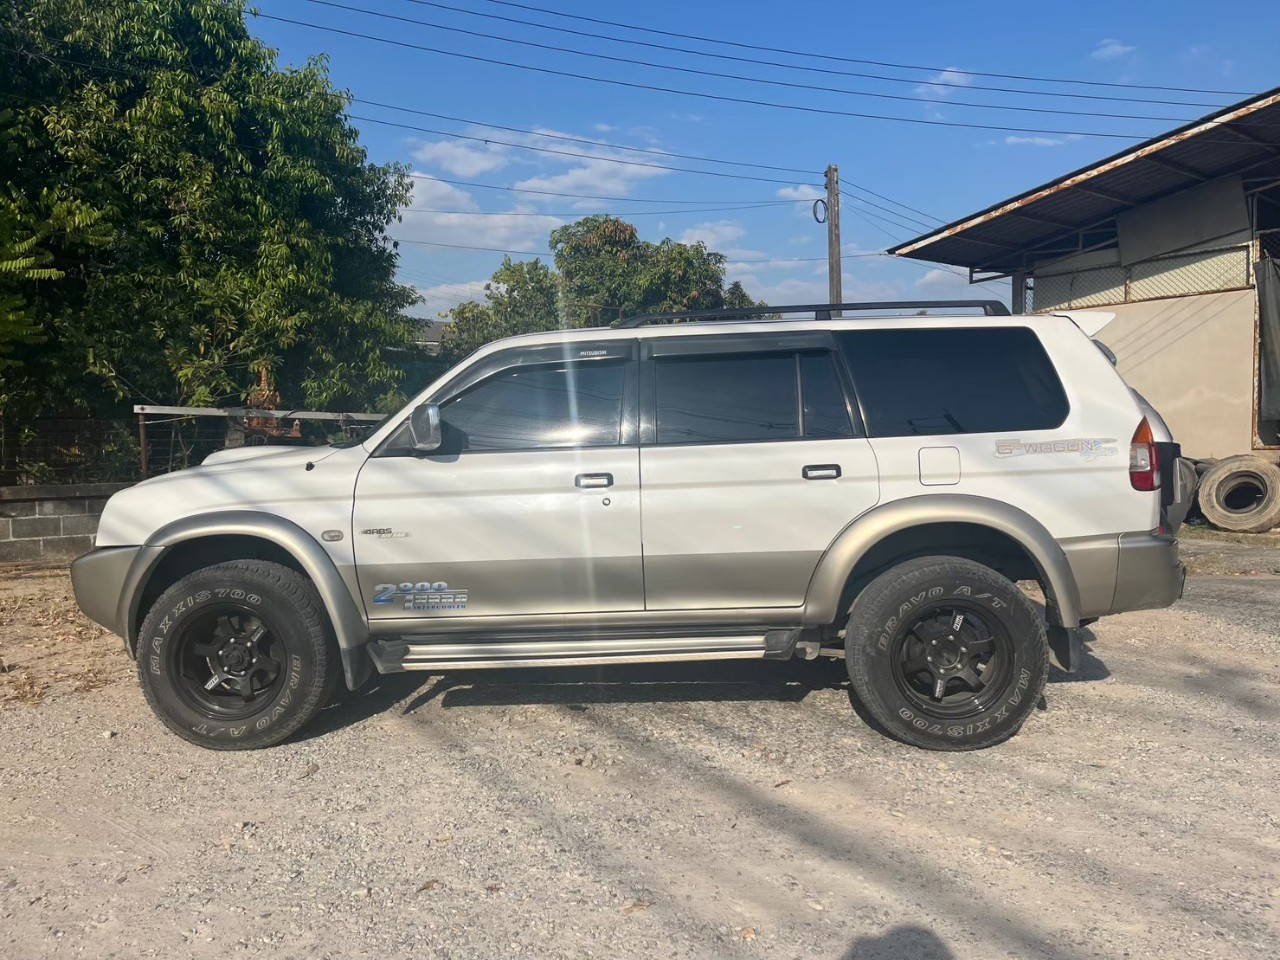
<point>1174,235</point>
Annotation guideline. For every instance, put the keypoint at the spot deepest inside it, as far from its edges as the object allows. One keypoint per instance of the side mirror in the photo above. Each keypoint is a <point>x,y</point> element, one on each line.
<point>424,428</point>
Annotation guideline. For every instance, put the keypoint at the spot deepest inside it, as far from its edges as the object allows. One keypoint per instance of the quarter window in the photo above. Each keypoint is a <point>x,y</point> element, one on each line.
<point>948,381</point>
<point>826,414</point>
<point>532,407</point>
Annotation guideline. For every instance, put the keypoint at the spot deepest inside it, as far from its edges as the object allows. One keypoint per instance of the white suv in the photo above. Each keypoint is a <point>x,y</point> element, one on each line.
<point>736,487</point>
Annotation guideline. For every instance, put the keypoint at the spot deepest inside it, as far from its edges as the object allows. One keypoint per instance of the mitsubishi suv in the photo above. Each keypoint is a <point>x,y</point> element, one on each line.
<point>884,488</point>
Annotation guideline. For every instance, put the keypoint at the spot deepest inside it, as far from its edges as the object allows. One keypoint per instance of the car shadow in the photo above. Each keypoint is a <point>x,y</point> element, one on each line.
<point>901,943</point>
<point>745,681</point>
<point>727,680</point>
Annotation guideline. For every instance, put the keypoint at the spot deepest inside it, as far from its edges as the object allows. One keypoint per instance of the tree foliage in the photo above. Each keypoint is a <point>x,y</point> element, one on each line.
<point>604,273</point>
<point>195,215</point>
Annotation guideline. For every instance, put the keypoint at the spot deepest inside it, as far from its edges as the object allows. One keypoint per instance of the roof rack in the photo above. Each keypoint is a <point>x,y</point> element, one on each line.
<point>820,311</point>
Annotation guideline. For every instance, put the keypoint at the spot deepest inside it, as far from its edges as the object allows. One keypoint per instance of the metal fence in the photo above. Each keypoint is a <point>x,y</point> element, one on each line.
<point>158,440</point>
<point>1183,274</point>
<point>66,450</point>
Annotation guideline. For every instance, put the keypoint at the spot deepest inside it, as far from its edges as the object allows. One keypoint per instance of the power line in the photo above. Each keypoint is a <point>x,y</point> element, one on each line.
<point>637,213</point>
<point>702,95</point>
<point>808,54</point>
<point>901,216</point>
<point>536,253</point>
<point>584,140</point>
<point>444,116</point>
<point>734,76</point>
<point>586,196</point>
<point>540,134</point>
<point>568,153</point>
<point>807,68</point>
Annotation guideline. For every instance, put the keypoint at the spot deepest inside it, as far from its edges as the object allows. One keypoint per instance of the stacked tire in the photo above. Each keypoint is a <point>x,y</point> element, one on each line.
<point>1240,494</point>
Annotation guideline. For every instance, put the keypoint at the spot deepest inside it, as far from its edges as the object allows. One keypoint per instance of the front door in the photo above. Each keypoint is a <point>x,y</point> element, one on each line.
<point>531,505</point>
<point>753,460</point>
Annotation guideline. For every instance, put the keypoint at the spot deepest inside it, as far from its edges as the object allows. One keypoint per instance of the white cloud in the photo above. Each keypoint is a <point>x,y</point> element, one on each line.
<point>801,240</point>
<point>430,192</point>
<point>937,277</point>
<point>944,84</point>
<point>462,159</point>
<point>1111,49</point>
<point>715,234</point>
<point>607,170</point>
<point>603,127</point>
<point>443,296</point>
<point>1034,141</point>
<point>517,229</point>
<point>801,191</point>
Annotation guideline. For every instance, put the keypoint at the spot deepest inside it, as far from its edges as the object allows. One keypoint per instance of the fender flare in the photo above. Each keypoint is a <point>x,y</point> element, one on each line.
<point>832,573</point>
<point>349,624</point>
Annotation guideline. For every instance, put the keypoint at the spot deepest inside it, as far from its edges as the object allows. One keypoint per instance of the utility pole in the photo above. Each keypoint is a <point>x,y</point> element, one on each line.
<point>834,293</point>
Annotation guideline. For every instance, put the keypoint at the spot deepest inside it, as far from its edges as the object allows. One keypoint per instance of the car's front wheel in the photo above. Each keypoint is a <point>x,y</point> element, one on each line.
<point>237,655</point>
<point>946,654</point>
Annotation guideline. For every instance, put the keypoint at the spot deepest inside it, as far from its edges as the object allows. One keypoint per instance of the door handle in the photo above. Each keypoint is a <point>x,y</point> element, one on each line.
<point>821,471</point>
<point>593,480</point>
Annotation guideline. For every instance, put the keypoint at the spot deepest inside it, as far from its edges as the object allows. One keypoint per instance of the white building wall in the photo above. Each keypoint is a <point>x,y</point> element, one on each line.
<point>1192,357</point>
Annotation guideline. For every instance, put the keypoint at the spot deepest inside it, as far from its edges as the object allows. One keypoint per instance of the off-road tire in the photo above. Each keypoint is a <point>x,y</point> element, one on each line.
<point>1235,475</point>
<point>881,632</point>
<point>279,597</point>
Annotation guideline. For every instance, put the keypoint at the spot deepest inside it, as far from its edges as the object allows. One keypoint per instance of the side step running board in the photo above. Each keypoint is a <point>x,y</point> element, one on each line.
<point>393,656</point>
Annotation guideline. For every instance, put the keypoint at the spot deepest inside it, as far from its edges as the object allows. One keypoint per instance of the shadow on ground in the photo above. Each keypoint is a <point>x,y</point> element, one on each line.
<point>900,943</point>
<point>724,681</point>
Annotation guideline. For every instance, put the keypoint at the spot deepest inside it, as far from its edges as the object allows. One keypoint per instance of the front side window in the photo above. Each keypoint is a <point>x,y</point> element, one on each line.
<point>730,398</point>
<point>533,407</point>
<point>924,382</point>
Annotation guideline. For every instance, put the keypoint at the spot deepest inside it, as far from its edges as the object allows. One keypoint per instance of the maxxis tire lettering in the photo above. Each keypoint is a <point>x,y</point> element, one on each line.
<point>302,623</point>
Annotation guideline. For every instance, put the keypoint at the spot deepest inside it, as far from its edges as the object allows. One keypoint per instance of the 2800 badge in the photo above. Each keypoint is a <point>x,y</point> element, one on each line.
<point>422,597</point>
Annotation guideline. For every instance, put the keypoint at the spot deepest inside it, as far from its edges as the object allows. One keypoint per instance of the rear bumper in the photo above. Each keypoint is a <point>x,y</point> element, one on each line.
<point>98,579</point>
<point>1149,574</point>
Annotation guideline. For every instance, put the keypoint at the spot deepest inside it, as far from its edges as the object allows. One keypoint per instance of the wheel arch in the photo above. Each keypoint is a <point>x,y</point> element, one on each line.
<point>977,528</point>
<point>198,541</point>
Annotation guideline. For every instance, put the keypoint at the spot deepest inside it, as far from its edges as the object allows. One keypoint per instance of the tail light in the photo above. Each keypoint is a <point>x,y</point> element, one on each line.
<point>1144,460</point>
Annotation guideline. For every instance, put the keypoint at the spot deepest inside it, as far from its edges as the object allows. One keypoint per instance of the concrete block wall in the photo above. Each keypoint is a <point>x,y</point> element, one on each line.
<point>51,522</point>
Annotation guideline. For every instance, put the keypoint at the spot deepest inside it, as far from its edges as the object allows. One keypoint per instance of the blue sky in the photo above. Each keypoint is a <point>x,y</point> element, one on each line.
<point>943,172</point>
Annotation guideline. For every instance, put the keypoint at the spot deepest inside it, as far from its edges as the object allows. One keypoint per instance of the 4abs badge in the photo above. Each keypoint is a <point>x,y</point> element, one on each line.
<point>422,597</point>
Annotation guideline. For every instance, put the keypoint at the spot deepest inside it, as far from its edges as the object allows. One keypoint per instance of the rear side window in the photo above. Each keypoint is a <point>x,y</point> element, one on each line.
<point>947,381</point>
<point>730,398</point>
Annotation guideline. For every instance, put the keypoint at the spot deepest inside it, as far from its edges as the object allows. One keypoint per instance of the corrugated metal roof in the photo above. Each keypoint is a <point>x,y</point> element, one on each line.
<point>1224,143</point>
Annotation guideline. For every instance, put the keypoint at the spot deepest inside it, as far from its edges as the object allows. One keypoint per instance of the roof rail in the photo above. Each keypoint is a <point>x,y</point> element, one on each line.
<point>820,311</point>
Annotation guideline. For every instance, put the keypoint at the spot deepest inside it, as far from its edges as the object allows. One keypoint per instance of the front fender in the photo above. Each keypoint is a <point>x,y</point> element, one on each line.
<point>349,624</point>
<point>832,574</point>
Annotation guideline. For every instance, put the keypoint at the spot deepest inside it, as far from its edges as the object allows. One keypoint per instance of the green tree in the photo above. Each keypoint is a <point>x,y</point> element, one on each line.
<point>605,273</point>
<point>520,298</point>
<point>230,222</point>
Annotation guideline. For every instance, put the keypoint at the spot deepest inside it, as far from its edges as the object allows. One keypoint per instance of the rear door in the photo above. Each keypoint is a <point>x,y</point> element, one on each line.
<point>752,460</point>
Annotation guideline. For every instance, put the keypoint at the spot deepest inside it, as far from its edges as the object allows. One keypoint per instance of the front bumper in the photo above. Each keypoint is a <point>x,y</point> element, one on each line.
<point>1149,574</point>
<point>99,580</point>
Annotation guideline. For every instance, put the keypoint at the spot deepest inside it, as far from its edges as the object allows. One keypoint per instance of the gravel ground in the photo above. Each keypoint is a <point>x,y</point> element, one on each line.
<point>729,810</point>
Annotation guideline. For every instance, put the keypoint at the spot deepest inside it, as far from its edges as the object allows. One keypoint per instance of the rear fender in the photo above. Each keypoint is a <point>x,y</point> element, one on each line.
<point>832,574</point>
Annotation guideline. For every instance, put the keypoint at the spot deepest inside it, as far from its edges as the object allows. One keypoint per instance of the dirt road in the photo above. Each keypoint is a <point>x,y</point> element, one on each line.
<point>728,810</point>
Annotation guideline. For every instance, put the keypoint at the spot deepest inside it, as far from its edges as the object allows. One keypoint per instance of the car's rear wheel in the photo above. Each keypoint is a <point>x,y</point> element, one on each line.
<point>238,655</point>
<point>946,654</point>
